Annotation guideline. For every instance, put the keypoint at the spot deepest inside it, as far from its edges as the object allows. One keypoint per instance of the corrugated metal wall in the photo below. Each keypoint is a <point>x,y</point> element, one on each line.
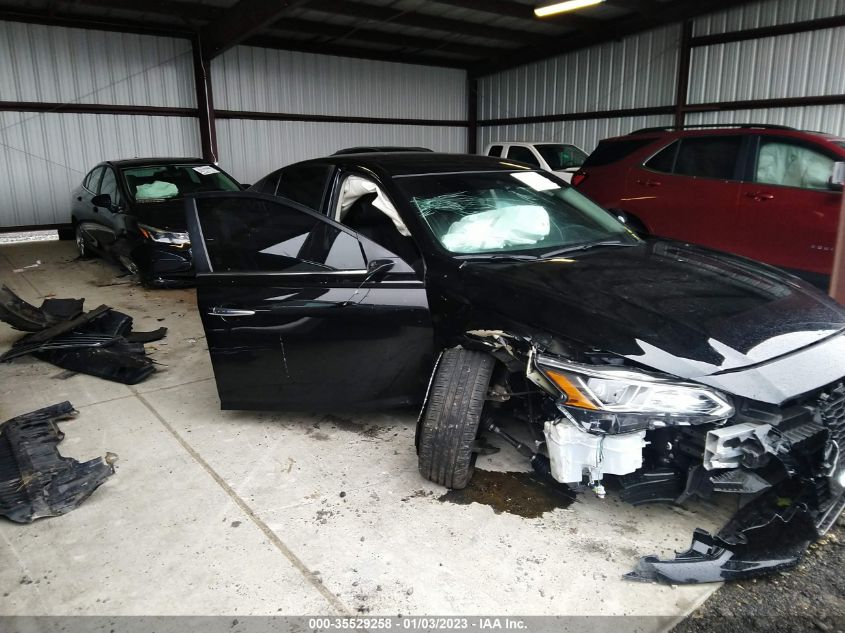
<point>251,149</point>
<point>641,71</point>
<point>265,80</point>
<point>44,155</point>
<point>766,13</point>
<point>638,71</point>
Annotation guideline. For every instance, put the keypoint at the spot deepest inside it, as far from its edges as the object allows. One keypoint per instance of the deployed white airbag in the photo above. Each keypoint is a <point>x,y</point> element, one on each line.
<point>156,189</point>
<point>356,187</point>
<point>515,225</point>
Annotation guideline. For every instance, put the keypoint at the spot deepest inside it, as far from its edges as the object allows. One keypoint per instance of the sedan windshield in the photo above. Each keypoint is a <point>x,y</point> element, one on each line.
<point>500,212</point>
<point>560,156</point>
<point>166,182</point>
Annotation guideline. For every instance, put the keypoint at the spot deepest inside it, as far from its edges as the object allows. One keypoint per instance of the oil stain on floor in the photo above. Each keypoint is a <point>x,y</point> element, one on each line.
<point>523,494</point>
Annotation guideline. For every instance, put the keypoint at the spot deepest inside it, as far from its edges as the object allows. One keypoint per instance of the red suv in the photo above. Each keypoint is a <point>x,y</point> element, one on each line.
<point>761,191</point>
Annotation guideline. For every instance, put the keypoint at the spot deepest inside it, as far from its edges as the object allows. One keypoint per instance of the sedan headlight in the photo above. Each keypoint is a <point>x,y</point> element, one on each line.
<point>164,237</point>
<point>611,399</point>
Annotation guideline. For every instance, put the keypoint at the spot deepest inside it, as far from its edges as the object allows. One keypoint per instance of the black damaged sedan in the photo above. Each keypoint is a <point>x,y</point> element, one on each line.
<point>131,211</point>
<point>488,291</point>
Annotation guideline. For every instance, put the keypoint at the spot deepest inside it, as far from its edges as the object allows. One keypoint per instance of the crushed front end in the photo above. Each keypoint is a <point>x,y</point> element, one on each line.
<point>663,439</point>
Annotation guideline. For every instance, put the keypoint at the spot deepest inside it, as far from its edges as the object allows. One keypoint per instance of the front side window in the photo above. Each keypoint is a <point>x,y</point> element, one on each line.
<point>305,184</point>
<point>708,157</point>
<point>108,185</point>
<point>496,212</point>
<point>155,183</point>
<point>561,156</point>
<point>92,180</point>
<point>250,235</point>
<point>495,150</point>
<point>782,162</point>
<point>523,155</point>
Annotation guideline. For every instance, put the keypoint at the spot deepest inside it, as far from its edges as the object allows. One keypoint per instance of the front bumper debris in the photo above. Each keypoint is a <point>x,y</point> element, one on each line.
<point>99,342</point>
<point>35,480</point>
<point>762,545</point>
<point>796,496</point>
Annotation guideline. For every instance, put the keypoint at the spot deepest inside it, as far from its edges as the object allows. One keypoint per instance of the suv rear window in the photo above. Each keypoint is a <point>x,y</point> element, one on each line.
<point>609,152</point>
<point>708,157</point>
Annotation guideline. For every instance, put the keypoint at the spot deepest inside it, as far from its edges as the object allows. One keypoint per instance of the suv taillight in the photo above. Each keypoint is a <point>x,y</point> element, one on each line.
<point>578,177</point>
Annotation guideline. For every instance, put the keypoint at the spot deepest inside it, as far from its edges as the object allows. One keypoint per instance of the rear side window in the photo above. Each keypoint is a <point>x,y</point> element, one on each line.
<point>523,155</point>
<point>708,157</point>
<point>664,160</point>
<point>609,152</point>
<point>495,150</point>
<point>251,235</point>
<point>305,184</point>
<point>268,184</point>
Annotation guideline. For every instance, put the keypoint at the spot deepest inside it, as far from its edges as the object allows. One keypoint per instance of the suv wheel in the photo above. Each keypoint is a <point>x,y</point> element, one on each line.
<point>449,423</point>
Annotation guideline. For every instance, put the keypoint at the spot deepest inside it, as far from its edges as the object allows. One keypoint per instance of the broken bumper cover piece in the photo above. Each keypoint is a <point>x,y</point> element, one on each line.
<point>99,343</point>
<point>761,539</point>
<point>35,480</point>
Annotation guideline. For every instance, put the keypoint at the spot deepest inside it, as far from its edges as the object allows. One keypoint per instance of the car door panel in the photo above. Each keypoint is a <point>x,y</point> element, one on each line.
<point>794,224</point>
<point>686,200</point>
<point>305,338</point>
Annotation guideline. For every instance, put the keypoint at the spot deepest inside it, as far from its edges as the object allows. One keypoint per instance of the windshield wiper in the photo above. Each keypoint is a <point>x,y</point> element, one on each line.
<point>500,257</point>
<point>584,247</point>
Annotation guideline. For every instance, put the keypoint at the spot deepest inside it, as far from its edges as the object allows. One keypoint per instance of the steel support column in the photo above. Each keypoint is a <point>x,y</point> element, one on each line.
<point>205,101</point>
<point>472,115</point>
<point>682,87</point>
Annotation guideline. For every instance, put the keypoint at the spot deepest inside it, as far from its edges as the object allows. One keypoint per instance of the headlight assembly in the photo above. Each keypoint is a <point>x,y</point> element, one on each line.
<point>164,237</point>
<point>618,399</point>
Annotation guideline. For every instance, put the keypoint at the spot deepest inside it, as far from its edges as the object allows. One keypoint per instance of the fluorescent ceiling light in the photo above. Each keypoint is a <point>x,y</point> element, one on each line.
<point>562,7</point>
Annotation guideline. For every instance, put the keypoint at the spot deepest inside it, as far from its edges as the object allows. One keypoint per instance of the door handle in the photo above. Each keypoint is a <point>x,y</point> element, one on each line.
<point>230,312</point>
<point>648,183</point>
<point>760,196</point>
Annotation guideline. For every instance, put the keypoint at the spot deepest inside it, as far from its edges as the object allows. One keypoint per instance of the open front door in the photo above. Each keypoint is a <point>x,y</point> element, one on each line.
<point>301,313</point>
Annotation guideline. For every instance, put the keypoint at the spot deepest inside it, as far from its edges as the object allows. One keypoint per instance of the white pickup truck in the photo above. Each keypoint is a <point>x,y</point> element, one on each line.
<point>563,159</point>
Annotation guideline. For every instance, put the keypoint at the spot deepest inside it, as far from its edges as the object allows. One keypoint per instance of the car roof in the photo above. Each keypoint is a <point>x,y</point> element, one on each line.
<point>411,163</point>
<point>386,148</point>
<point>139,162</point>
<point>531,143</point>
<point>739,128</point>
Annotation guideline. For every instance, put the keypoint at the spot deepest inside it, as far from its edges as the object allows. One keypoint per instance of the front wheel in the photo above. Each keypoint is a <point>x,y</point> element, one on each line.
<point>449,423</point>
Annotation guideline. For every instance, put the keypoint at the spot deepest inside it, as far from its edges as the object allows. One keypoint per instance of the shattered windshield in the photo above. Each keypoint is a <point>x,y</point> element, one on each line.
<point>501,212</point>
<point>155,183</point>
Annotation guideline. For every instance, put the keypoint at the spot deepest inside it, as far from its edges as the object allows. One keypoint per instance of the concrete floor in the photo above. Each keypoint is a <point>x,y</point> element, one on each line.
<point>241,513</point>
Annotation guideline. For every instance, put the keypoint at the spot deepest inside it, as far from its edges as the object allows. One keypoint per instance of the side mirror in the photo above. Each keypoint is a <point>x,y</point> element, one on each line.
<point>837,178</point>
<point>378,268</point>
<point>102,200</point>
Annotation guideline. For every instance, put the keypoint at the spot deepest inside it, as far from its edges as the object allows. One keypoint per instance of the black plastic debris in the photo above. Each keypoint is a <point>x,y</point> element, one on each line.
<point>99,342</point>
<point>35,480</point>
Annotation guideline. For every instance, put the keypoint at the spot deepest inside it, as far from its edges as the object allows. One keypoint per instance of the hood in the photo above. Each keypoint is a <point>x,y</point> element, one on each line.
<point>169,214</point>
<point>679,309</point>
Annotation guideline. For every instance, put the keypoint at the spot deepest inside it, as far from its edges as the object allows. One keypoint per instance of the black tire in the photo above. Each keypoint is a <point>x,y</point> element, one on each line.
<point>82,244</point>
<point>449,424</point>
<point>66,233</point>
